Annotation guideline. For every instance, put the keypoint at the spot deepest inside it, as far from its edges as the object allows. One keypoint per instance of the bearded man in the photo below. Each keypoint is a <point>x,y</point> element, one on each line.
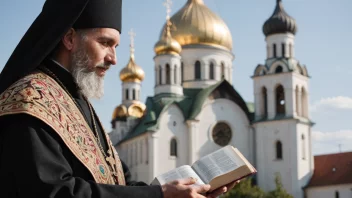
<point>52,143</point>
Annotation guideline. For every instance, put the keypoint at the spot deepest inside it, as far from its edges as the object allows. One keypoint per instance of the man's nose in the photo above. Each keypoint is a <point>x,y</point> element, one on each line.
<point>111,57</point>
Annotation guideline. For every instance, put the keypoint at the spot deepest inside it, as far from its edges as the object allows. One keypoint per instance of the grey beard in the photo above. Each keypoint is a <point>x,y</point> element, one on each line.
<point>91,85</point>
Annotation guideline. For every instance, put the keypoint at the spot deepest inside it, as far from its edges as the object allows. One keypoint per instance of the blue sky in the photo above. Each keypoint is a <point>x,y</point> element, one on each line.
<point>323,43</point>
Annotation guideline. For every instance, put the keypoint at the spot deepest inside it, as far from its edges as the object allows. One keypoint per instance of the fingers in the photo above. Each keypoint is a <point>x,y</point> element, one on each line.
<point>186,181</point>
<point>201,189</point>
<point>233,184</point>
<point>217,192</point>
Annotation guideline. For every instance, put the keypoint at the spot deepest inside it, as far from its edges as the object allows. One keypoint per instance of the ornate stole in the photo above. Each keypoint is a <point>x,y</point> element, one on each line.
<point>39,95</point>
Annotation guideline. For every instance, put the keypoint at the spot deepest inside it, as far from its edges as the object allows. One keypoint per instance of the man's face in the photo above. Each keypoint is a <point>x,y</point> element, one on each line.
<point>99,45</point>
<point>92,55</point>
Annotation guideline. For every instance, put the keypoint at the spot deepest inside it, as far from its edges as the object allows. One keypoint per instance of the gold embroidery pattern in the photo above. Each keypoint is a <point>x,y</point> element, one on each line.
<point>40,96</point>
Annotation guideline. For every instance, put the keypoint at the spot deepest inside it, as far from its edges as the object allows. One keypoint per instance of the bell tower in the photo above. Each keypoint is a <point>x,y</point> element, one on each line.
<point>282,124</point>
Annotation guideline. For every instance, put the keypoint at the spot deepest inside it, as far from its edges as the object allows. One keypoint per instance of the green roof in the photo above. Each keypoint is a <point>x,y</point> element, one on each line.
<point>190,104</point>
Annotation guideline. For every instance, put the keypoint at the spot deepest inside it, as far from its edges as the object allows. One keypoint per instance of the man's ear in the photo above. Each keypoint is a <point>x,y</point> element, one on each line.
<point>69,39</point>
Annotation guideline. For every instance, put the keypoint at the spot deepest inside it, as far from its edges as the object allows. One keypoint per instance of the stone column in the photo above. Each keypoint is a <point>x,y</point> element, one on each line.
<point>192,140</point>
<point>172,74</point>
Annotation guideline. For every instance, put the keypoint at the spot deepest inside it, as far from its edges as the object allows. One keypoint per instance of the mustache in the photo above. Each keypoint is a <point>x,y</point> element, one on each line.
<point>104,65</point>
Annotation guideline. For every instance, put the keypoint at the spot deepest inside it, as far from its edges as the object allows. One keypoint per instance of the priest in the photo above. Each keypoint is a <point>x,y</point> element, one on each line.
<point>52,143</point>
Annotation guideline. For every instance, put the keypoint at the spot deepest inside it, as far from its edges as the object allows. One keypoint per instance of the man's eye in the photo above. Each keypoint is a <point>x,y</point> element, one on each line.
<point>105,43</point>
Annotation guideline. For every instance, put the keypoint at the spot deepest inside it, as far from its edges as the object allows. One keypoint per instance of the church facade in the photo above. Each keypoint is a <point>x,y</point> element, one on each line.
<point>195,109</point>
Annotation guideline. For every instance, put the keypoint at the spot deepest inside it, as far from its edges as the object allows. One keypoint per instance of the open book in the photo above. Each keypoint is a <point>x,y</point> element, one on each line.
<point>219,168</point>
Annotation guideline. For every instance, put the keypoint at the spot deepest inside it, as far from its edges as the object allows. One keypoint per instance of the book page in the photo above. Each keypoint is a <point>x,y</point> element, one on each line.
<point>181,172</point>
<point>218,163</point>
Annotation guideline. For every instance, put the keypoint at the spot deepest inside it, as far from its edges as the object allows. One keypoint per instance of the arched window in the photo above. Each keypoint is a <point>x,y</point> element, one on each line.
<point>127,94</point>
<point>283,49</point>
<point>298,107</point>
<point>181,72</point>
<point>222,70</point>
<point>274,50</point>
<point>278,150</point>
<point>280,100</point>
<point>141,151</point>
<point>160,75</point>
<point>265,102</point>
<point>197,71</point>
<point>303,147</point>
<point>304,103</point>
<point>146,151</point>
<point>133,94</point>
<point>278,69</point>
<point>173,147</point>
<point>175,74</point>
<point>211,71</point>
<point>168,80</point>
<point>337,194</point>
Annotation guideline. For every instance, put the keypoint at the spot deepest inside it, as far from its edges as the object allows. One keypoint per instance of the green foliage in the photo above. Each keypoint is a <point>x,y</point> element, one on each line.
<point>245,189</point>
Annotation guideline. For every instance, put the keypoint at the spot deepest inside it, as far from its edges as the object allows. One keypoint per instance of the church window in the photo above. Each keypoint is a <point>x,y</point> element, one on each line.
<point>265,102</point>
<point>278,69</point>
<point>274,50</point>
<point>298,111</point>
<point>146,150</point>
<point>197,71</point>
<point>175,74</point>
<point>337,194</point>
<point>290,48</point>
<point>211,71</point>
<point>160,75</point>
<point>278,150</point>
<point>303,147</point>
<point>141,151</point>
<point>280,100</point>
<point>182,72</point>
<point>135,154</point>
<point>127,94</point>
<point>222,70</point>
<point>283,49</point>
<point>133,94</point>
<point>222,134</point>
<point>168,81</point>
<point>304,103</point>
<point>173,147</point>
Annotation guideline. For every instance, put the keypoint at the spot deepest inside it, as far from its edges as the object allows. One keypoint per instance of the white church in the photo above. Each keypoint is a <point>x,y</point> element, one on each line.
<point>195,109</point>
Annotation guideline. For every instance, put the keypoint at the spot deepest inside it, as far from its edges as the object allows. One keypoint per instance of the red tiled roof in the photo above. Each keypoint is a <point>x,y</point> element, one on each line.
<point>332,169</point>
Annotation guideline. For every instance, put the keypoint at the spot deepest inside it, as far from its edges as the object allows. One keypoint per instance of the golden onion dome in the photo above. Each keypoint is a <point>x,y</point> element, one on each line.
<point>132,72</point>
<point>119,112</point>
<point>136,109</point>
<point>167,45</point>
<point>195,23</point>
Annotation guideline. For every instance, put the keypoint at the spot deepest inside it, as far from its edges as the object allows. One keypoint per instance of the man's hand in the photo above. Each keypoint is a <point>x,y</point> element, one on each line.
<point>222,190</point>
<point>182,189</point>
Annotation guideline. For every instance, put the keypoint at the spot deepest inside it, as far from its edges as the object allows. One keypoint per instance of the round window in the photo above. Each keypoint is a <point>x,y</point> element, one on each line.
<point>222,134</point>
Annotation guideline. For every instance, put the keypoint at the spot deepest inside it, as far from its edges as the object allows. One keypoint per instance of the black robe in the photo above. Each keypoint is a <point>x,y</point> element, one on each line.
<point>35,162</point>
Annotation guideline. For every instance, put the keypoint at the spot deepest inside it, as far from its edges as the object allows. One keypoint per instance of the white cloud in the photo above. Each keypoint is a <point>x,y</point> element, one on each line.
<point>338,102</point>
<point>328,142</point>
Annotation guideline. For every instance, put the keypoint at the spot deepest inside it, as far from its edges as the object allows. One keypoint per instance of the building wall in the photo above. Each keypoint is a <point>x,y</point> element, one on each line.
<point>205,56</point>
<point>136,156</point>
<point>222,110</point>
<point>171,125</point>
<point>344,190</point>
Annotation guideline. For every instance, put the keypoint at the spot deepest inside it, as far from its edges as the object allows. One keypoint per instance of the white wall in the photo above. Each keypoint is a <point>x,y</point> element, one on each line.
<point>227,111</point>
<point>174,62</point>
<point>171,124</point>
<point>134,154</point>
<point>205,55</point>
<point>278,39</point>
<point>294,171</point>
<point>130,86</point>
<point>289,81</point>
<point>345,191</point>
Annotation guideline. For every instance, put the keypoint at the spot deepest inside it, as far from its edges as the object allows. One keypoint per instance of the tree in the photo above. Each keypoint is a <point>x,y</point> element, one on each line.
<point>245,189</point>
<point>279,190</point>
